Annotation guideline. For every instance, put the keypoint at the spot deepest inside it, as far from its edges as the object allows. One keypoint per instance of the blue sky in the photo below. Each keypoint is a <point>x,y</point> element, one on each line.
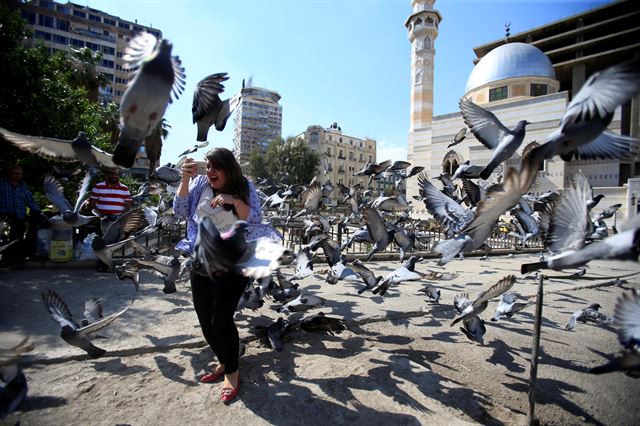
<point>346,61</point>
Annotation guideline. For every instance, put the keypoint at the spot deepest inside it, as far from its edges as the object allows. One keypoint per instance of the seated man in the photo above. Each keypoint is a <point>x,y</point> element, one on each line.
<point>110,199</point>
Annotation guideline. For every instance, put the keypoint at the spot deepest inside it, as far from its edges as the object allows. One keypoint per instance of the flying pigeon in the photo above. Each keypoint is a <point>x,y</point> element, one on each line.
<point>377,229</point>
<point>208,109</point>
<point>482,301</point>
<point>589,314</point>
<point>489,131</point>
<point>14,382</point>
<point>582,133</point>
<point>55,193</point>
<point>78,149</point>
<point>459,137</point>
<point>508,306</point>
<point>156,75</point>
<point>70,331</point>
<point>627,323</point>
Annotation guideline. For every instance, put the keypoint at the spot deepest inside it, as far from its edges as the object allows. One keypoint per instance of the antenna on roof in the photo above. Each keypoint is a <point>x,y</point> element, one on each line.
<point>507,31</point>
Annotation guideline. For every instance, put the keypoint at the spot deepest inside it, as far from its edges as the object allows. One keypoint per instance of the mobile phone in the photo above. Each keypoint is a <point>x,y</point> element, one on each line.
<point>201,167</point>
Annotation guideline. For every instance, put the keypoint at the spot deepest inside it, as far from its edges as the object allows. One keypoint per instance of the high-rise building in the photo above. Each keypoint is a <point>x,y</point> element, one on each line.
<point>422,25</point>
<point>258,122</point>
<point>66,26</point>
<point>343,154</point>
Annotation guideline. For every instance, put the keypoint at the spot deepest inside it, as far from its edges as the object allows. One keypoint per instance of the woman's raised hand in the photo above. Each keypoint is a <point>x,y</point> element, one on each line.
<point>188,168</point>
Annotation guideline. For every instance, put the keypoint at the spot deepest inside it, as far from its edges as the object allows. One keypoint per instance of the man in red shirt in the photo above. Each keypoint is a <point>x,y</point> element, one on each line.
<point>110,198</point>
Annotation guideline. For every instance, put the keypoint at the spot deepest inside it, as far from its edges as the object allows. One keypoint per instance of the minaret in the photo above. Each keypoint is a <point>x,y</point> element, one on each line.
<point>422,25</point>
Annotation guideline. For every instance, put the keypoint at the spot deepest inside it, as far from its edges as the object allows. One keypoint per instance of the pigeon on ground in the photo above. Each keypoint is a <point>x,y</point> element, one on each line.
<point>482,301</point>
<point>70,331</point>
<point>319,323</point>
<point>208,109</point>
<point>252,298</point>
<point>459,137</point>
<point>303,302</point>
<point>589,314</point>
<point>78,149</point>
<point>13,382</point>
<point>432,292</point>
<point>582,133</point>
<point>489,131</point>
<point>156,75</point>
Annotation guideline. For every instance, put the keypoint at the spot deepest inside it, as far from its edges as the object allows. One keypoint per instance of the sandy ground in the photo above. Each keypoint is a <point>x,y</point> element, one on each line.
<point>399,362</point>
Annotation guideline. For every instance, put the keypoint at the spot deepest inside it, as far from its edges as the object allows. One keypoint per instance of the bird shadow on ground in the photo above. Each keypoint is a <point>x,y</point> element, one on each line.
<point>171,370</point>
<point>487,272</point>
<point>169,340</point>
<point>33,403</point>
<point>117,367</point>
<point>553,392</point>
<point>503,354</point>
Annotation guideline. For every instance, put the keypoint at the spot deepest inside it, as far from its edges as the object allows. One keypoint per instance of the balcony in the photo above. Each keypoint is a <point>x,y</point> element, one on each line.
<point>341,169</point>
<point>342,157</point>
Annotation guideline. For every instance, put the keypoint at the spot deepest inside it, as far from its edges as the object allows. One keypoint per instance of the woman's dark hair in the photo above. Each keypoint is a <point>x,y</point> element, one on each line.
<point>236,184</point>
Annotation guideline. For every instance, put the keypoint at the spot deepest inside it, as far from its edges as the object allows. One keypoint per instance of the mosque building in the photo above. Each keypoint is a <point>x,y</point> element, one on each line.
<point>528,76</point>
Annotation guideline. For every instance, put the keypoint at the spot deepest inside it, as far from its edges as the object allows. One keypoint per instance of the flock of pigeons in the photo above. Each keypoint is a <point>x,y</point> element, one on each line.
<point>564,224</point>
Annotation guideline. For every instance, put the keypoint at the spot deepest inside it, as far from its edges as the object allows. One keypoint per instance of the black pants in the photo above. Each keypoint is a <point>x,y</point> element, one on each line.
<point>23,230</point>
<point>215,302</point>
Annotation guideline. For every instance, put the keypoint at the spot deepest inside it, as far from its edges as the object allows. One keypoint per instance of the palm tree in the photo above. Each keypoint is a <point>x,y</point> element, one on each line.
<point>85,73</point>
<point>110,122</point>
<point>153,143</point>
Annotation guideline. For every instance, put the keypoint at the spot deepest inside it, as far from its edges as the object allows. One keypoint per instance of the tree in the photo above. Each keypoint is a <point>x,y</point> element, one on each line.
<point>153,142</point>
<point>291,161</point>
<point>84,62</point>
<point>37,97</point>
<point>257,165</point>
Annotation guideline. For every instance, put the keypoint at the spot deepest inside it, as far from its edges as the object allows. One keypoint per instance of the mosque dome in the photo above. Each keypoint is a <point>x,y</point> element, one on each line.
<point>508,61</point>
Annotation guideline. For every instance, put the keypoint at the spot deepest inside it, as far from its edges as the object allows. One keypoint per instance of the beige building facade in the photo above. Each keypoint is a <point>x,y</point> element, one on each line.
<point>344,154</point>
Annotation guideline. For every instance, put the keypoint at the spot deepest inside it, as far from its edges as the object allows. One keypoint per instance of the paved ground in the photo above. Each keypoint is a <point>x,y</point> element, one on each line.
<point>399,361</point>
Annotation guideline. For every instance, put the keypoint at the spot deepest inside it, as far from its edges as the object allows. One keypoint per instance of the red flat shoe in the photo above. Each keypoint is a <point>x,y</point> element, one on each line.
<point>228,395</point>
<point>212,377</point>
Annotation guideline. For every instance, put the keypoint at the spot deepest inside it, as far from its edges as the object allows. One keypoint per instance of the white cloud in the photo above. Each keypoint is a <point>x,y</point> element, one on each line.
<point>389,151</point>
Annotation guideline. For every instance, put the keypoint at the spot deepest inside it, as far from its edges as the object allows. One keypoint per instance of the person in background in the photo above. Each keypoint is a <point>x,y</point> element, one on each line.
<point>15,198</point>
<point>110,198</point>
<point>225,195</point>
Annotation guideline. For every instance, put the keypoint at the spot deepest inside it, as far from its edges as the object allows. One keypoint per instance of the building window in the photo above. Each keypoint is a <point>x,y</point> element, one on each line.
<point>538,89</point>
<point>63,9</point>
<point>108,50</point>
<point>95,18</point>
<point>109,21</point>
<point>30,17</point>
<point>45,21</point>
<point>79,14</point>
<point>46,4</point>
<point>60,39</point>
<point>427,43</point>
<point>107,63</point>
<point>62,25</point>
<point>76,43</point>
<point>43,36</point>
<point>498,93</point>
<point>124,25</point>
<point>93,46</point>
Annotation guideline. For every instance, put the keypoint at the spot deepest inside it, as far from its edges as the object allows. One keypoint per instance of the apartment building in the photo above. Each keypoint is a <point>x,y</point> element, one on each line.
<point>63,26</point>
<point>257,122</point>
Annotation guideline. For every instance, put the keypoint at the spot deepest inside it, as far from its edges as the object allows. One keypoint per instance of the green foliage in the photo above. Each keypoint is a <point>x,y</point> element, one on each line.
<point>40,94</point>
<point>290,161</point>
<point>257,165</point>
